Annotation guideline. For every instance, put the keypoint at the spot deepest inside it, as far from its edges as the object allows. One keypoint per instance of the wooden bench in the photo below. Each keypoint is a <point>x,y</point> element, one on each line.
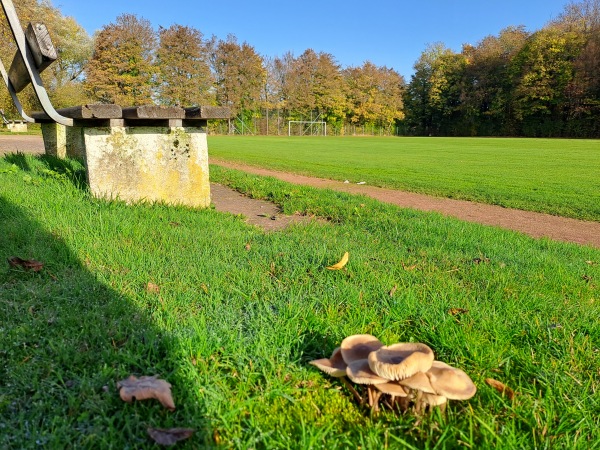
<point>150,153</point>
<point>142,153</point>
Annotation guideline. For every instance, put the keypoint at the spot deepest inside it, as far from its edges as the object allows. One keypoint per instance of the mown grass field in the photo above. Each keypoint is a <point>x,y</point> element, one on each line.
<point>233,315</point>
<point>555,176</point>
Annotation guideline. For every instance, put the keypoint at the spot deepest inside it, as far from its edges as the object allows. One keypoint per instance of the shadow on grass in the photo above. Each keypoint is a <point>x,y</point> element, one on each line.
<point>72,169</point>
<point>65,340</point>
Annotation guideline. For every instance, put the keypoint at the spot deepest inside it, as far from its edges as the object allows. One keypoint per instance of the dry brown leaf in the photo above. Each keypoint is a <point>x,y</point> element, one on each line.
<point>204,287</point>
<point>144,388</point>
<point>153,288</point>
<point>413,267</point>
<point>501,387</point>
<point>175,224</point>
<point>393,291</point>
<point>457,311</point>
<point>170,436</point>
<point>26,264</point>
<point>248,247</point>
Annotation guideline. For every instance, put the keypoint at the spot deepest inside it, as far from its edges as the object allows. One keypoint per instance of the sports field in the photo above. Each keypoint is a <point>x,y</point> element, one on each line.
<point>556,176</point>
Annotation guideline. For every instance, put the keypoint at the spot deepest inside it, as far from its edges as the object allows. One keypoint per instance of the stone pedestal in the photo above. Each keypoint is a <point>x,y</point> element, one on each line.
<point>62,141</point>
<point>148,163</point>
<point>17,127</point>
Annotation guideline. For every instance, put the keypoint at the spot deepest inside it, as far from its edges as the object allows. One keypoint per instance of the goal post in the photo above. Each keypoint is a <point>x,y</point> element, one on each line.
<point>308,127</point>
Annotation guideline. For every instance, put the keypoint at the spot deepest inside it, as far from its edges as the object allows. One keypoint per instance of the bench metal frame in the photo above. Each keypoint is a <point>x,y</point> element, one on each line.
<point>34,75</point>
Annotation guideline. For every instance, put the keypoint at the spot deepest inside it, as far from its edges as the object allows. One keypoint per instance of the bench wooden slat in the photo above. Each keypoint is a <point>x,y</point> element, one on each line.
<point>153,112</point>
<point>43,53</point>
<point>94,111</point>
<point>207,112</point>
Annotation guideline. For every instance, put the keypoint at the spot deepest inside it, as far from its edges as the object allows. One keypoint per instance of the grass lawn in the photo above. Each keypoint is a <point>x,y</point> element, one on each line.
<point>556,176</point>
<point>233,315</point>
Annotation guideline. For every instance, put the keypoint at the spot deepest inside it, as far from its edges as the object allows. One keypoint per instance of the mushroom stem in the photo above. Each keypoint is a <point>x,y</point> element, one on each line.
<point>443,407</point>
<point>376,395</point>
<point>351,388</point>
<point>370,392</point>
<point>404,403</point>
<point>419,404</point>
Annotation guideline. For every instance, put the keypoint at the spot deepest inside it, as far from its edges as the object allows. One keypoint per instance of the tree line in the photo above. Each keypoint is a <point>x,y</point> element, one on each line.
<point>516,83</point>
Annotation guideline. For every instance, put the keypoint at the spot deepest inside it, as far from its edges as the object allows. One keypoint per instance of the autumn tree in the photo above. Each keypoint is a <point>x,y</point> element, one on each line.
<point>488,85</point>
<point>544,69</point>
<point>239,75</point>
<point>374,95</point>
<point>314,84</point>
<point>121,69</point>
<point>184,76</point>
<point>62,79</point>
<point>433,96</point>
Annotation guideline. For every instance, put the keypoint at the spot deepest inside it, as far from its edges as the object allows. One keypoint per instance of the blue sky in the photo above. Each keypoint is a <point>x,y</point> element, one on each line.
<point>385,32</point>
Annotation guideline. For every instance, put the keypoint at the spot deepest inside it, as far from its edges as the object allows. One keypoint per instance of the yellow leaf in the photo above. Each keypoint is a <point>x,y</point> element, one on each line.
<point>341,263</point>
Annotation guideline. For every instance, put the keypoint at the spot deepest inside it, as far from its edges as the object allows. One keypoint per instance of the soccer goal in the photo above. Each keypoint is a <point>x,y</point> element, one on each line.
<point>307,128</point>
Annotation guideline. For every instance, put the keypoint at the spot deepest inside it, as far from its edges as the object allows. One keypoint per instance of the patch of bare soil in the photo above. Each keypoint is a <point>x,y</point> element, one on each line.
<point>257,212</point>
<point>533,224</point>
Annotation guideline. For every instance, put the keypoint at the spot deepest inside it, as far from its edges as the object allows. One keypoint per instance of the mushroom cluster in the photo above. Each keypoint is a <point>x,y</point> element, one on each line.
<point>398,375</point>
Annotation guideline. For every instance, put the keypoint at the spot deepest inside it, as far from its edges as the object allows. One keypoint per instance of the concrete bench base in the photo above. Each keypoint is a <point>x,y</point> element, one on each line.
<point>165,164</point>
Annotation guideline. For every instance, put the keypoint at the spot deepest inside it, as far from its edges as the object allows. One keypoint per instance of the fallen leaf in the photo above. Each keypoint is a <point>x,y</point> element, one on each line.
<point>144,388</point>
<point>500,387</point>
<point>393,291</point>
<point>591,263</point>
<point>341,263</point>
<point>170,436</point>
<point>204,287</point>
<point>26,264</point>
<point>457,311</point>
<point>481,260</point>
<point>586,278</point>
<point>175,224</point>
<point>413,267</point>
<point>248,247</point>
<point>152,288</point>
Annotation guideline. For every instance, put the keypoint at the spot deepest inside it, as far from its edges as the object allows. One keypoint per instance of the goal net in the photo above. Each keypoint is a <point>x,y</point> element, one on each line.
<point>307,128</point>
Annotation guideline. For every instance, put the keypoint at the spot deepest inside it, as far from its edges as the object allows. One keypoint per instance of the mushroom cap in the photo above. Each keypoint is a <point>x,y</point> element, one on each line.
<point>450,382</point>
<point>392,388</point>
<point>400,361</point>
<point>358,346</point>
<point>359,372</point>
<point>433,400</point>
<point>418,382</point>
<point>334,366</point>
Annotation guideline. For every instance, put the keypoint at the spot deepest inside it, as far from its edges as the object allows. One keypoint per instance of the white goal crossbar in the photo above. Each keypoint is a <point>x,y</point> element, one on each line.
<point>309,127</point>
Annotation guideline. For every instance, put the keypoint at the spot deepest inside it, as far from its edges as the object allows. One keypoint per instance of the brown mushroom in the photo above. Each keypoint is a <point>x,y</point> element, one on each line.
<point>450,382</point>
<point>358,346</point>
<point>400,361</point>
<point>418,382</point>
<point>334,365</point>
<point>430,400</point>
<point>395,391</point>
<point>359,372</point>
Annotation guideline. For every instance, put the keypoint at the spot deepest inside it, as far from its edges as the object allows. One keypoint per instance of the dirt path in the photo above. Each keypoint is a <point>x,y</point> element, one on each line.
<point>531,223</point>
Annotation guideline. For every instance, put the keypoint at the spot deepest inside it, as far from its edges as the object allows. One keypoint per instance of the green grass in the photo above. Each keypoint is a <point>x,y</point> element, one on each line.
<point>234,329</point>
<point>555,176</point>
